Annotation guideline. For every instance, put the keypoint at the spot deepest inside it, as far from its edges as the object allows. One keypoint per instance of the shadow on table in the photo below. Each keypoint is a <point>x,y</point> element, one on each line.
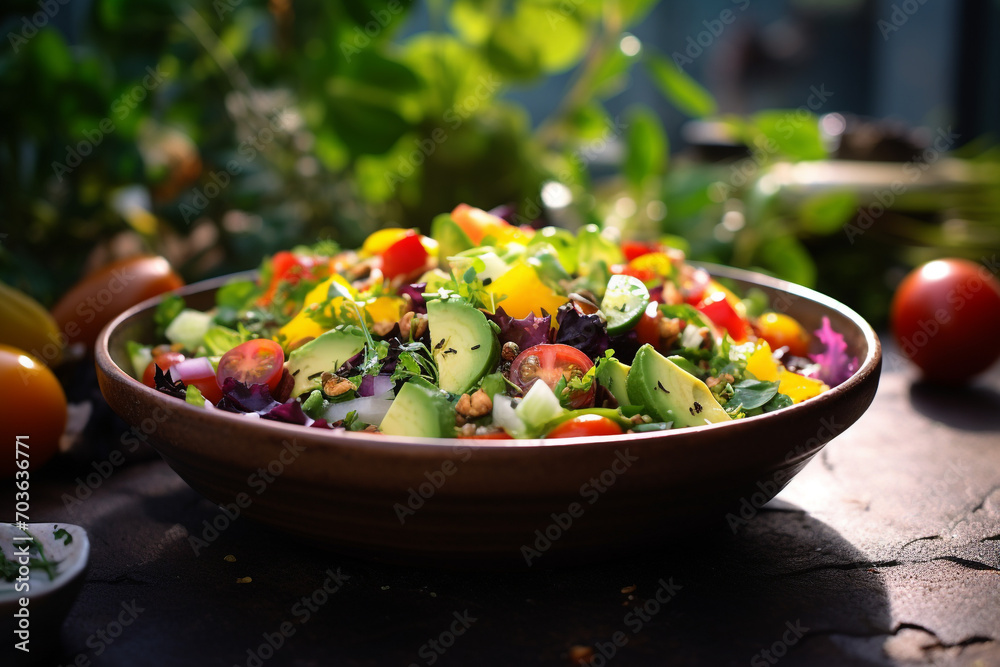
<point>970,408</point>
<point>784,583</point>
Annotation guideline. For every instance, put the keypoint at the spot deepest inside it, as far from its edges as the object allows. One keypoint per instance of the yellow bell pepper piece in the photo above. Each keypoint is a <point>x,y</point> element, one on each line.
<point>302,325</point>
<point>799,387</point>
<point>378,241</point>
<point>385,308</point>
<point>525,292</point>
<point>762,364</point>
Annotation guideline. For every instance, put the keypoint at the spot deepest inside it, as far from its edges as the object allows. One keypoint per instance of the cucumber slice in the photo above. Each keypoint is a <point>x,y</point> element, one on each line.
<point>624,302</point>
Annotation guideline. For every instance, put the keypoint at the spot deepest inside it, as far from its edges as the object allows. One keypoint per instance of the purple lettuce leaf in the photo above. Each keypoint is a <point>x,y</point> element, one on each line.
<point>625,346</point>
<point>525,332</point>
<point>289,413</point>
<point>162,382</point>
<point>587,333</point>
<point>834,364</point>
<point>238,397</point>
<point>416,293</point>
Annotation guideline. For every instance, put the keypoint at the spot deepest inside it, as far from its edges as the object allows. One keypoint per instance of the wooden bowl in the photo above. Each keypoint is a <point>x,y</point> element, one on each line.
<point>491,503</point>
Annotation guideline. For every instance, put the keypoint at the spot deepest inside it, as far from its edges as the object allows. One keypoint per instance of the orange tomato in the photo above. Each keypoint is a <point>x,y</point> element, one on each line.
<point>781,330</point>
<point>34,413</point>
<point>104,294</point>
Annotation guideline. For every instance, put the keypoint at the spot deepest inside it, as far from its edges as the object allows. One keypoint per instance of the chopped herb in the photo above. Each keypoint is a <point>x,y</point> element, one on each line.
<point>476,347</point>
<point>662,388</point>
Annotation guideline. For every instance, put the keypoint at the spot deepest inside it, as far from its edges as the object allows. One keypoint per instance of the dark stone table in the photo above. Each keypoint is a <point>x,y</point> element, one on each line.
<point>885,550</point>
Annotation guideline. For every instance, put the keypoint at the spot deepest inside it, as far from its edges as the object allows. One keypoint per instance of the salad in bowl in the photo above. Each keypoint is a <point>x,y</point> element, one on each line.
<point>488,330</point>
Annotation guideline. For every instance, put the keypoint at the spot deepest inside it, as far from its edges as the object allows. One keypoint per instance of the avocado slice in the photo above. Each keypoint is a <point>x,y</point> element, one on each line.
<point>612,374</point>
<point>421,411</point>
<point>670,393</point>
<point>328,352</point>
<point>463,344</point>
<point>450,237</point>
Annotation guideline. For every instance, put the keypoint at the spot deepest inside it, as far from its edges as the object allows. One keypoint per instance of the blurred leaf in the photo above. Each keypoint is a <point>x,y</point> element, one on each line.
<point>828,212</point>
<point>611,72</point>
<point>364,127</point>
<point>788,259</point>
<point>51,53</point>
<point>556,32</point>
<point>679,88</point>
<point>794,136</point>
<point>375,69</point>
<point>470,20</point>
<point>645,147</point>
<point>589,121</point>
<point>634,11</point>
<point>510,54</point>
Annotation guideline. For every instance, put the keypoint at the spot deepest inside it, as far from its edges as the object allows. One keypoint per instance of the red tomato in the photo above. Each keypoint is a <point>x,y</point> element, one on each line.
<point>648,327</point>
<point>722,313</point>
<point>633,249</point>
<point>407,255</point>
<point>945,317</point>
<point>258,361</point>
<point>550,363</point>
<point>34,413</point>
<point>291,268</point>
<point>164,359</point>
<point>585,426</point>
<point>783,331</point>
<point>101,296</point>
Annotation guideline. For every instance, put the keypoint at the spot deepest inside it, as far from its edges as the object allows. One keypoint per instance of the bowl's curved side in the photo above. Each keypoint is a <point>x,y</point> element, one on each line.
<point>412,499</point>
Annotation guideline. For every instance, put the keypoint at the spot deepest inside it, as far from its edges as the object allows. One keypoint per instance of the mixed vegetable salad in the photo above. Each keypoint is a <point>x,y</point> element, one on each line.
<point>485,329</point>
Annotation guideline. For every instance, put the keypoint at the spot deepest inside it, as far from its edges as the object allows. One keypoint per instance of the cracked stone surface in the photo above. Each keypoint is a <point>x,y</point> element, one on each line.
<point>885,550</point>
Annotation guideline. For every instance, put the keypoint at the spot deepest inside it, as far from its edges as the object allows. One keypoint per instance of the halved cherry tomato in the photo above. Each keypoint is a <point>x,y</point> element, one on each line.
<point>585,426</point>
<point>551,363</point>
<point>718,309</point>
<point>780,330</point>
<point>164,359</point>
<point>406,255</point>
<point>258,361</point>
<point>633,249</point>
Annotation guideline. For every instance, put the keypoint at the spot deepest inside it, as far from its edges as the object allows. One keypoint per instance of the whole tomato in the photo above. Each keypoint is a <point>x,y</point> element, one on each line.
<point>34,413</point>
<point>104,294</point>
<point>945,317</point>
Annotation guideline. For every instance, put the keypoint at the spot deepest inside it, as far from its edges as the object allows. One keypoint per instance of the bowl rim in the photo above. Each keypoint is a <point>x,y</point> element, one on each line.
<point>437,447</point>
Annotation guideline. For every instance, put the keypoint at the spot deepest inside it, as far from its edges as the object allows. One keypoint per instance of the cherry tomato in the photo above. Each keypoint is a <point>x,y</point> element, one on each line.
<point>648,328</point>
<point>407,255</point>
<point>162,358</point>
<point>718,309</point>
<point>550,363</point>
<point>945,317</point>
<point>258,361</point>
<point>585,426</point>
<point>34,412</point>
<point>780,330</point>
<point>290,268</point>
<point>107,292</point>
<point>633,249</point>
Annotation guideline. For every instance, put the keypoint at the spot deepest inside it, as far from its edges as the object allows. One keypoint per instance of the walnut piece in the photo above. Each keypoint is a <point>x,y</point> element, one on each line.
<point>334,385</point>
<point>474,406</point>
